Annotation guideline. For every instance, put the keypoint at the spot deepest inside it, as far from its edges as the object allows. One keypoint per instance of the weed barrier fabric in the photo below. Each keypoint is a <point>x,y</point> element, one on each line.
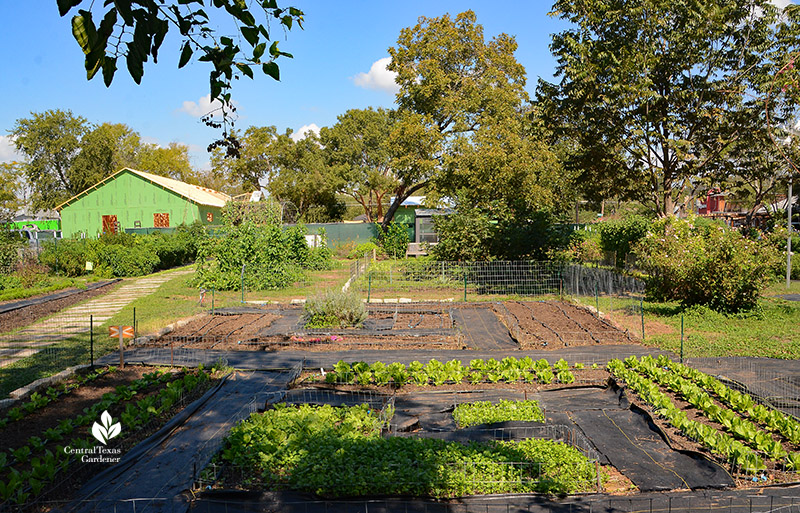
<point>637,448</point>
<point>482,329</point>
<point>774,500</point>
<point>153,475</point>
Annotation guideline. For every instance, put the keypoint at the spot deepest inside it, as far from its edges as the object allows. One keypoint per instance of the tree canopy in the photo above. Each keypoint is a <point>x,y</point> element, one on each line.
<point>653,96</point>
<point>65,154</point>
<point>449,99</point>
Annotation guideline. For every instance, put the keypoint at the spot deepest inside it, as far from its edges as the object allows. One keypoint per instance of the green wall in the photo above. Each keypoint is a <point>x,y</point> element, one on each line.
<point>131,198</point>
<point>42,224</point>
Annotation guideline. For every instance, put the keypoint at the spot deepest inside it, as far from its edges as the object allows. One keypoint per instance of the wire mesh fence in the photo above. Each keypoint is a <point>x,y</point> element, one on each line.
<point>47,346</point>
<point>464,281</point>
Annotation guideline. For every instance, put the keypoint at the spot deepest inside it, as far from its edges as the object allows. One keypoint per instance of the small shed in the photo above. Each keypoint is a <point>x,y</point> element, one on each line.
<point>135,199</point>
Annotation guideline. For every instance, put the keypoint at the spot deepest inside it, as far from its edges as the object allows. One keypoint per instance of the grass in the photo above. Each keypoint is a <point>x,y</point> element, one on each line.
<point>771,331</point>
<point>48,284</point>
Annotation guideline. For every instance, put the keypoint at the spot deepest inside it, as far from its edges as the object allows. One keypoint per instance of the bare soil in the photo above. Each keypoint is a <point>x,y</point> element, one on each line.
<point>21,317</point>
<point>554,324</point>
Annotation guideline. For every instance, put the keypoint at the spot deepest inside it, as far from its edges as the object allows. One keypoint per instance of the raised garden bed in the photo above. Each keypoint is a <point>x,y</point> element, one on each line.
<point>68,433</point>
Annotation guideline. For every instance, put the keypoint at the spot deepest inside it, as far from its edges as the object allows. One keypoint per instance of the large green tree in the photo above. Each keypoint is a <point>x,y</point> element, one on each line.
<point>65,154</point>
<point>461,110</point>
<point>654,95</point>
<point>50,141</point>
<point>300,175</point>
<point>255,162</point>
<point>357,149</point>
<point>134,30</point>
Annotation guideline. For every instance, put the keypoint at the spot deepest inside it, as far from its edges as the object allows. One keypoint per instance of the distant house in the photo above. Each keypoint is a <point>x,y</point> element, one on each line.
<point>131,199</point>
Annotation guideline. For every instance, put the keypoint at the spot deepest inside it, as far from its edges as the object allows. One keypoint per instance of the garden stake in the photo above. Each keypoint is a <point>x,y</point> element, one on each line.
<point>91,341</point>
<point>641,310</point>
<point>212,301</point>
<point>681,338</point>
<point>465,287</point>
<point>596,302</point>
<point>243,282</point>
<point>369,286</point>
<point>134,322</point>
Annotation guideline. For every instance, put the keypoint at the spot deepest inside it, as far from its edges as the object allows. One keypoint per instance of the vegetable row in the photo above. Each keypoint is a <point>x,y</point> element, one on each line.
<point>740,440</point>
<point>32,466</point>
<point>436,373</point>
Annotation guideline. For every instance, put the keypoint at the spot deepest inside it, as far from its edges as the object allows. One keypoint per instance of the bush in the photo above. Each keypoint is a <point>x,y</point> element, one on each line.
<point>620,236</point>
<point>117,260</point>
<point>334,309</point>
<point>366,247</point>
<point>705,265</point>
<point>395,240</point>
<point>9,254</point>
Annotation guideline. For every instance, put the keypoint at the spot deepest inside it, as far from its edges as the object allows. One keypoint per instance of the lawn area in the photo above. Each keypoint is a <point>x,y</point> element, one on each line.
<point>49,284</point>
<point>771,331</point>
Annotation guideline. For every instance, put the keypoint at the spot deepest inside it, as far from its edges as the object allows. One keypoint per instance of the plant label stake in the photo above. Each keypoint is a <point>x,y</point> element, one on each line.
<point>121,332</point>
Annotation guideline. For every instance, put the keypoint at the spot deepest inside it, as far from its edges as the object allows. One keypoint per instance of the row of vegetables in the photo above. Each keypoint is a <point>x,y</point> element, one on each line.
<point>752,435</point>
<point>28,469</point>
<point>436,373</point>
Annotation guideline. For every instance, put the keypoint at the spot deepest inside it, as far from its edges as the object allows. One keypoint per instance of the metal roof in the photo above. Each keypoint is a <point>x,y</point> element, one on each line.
<point>194,193</point>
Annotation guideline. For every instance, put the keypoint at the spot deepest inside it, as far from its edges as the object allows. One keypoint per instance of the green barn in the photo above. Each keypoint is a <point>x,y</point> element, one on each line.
<point>134,199</point>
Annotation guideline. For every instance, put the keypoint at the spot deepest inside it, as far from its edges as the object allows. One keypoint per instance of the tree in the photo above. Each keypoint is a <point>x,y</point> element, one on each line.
<point>255,162</point>
<point>9,191</point>
<point>653,94</point>
<point>50,141</point>
<point>66,155</point>
<point>136,29</point>
<point>300,175</point>
<point>104,150</point>
<point>357,148</point>
<point>453,85</point>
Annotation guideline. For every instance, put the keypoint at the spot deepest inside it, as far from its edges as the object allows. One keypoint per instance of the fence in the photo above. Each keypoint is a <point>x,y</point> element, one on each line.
<point>50,345</point>
<point>464,281</point>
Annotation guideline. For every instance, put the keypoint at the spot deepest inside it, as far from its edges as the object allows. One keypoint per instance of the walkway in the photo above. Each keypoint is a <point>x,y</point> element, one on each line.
<point>75,320</point>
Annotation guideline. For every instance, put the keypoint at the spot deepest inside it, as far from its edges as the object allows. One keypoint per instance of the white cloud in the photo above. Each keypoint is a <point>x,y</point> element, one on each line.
<point>201,107</point>
<point>303,131</point>
<point>378,77</point>
<point>8,152</point>
<point>781,3</point>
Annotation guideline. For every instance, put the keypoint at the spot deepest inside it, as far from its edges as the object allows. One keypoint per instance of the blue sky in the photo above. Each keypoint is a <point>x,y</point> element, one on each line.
<point>42,68</point>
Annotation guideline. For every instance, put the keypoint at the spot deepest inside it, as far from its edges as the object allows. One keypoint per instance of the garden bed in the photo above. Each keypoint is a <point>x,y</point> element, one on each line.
<point>50,444</point>
<point>555,324</point>
<point>757,444</point>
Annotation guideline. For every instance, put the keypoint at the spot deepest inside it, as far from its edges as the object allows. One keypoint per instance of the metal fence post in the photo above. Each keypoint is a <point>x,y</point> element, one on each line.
<point>641,311</point>
<point>681,338</point>
<point>243,281</point>
<point>91,340</point>
<point>134,322</point>
<point>465,286</point>
<point>369,286</point>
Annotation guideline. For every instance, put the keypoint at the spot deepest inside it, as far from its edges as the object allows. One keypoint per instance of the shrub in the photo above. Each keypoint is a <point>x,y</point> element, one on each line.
<point>620,236</point>
<point>707,265</point>
<point>366,247</point>
<point>334,309</point>
<point>9,254</point>
<point>395,240</point>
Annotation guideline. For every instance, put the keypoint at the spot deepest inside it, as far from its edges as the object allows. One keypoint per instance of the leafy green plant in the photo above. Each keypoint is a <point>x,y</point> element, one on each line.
<point>394,240</point>
<point>484,412</point>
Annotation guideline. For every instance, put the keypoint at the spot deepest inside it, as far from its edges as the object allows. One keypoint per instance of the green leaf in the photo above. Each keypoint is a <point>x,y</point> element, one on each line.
<point>245,69</point>
<point>124,8</point>
<point>186,54</point>
<point>109,68</point>
<point>135,64</point>
<point>83,30</point>
<point>271,69</point>
<point>259,50</point>
<point>226,41</point>
<point>64,6</point>
<point>250,34</point>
